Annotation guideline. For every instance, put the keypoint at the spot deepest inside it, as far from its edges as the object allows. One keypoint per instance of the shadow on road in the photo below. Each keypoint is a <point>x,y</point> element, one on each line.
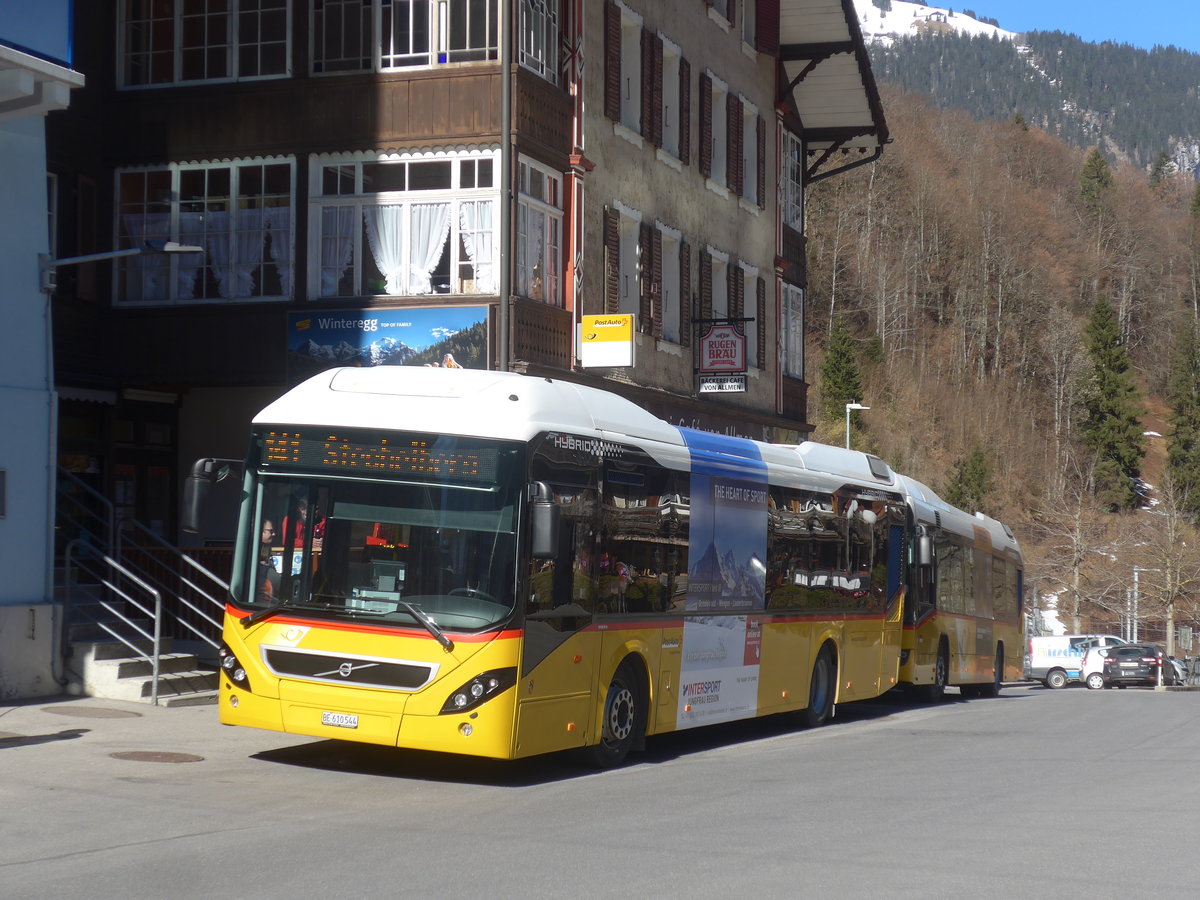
<point>390,762</point>
<point>23,740</point>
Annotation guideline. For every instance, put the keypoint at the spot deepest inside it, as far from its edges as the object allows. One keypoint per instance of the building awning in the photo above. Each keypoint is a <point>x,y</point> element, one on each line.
<point>828,83</point>
<point>30,86</point>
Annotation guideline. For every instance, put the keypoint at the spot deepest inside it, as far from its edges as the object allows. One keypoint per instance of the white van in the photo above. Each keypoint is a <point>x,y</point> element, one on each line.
<point>1055,659</point>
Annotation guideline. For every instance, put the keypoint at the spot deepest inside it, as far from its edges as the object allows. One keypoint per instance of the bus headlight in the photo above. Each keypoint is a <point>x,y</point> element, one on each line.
<point>232,668</point>
<point>479,690</point>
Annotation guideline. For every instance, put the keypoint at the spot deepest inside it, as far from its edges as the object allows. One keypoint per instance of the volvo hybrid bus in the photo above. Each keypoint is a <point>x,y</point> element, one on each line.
<point>501,565</point>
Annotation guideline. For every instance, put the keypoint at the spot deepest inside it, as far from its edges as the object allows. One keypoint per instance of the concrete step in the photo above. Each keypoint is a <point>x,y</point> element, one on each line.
<point>168,664</point>
<point>107,670</point>
<point>179,685</point>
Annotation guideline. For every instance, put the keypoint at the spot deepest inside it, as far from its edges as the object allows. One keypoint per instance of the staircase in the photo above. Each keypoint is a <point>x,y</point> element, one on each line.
<point>141,619</point>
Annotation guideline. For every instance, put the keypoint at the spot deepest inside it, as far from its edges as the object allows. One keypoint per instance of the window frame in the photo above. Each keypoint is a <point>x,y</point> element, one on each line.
<point>542,60</point>
<point>170,266</point>
<point>525,281</point>
<point>791,179</point>
<point>440,23</point>
<point>355,200</point>
<point>792,326</point>
<point>233,45</point>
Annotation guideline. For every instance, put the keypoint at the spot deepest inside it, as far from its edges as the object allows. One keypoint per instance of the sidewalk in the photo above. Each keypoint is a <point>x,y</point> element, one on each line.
<point>75,732</point>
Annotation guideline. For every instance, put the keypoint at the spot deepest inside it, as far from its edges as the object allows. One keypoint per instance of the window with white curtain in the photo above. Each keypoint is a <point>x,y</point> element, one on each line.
<point>186,41</point>
<point>381,35</point>
<point>240,213</point>
<point>404,225</point>
<point>539,233</point>
<point>793,331</point>
<point>538,51</point>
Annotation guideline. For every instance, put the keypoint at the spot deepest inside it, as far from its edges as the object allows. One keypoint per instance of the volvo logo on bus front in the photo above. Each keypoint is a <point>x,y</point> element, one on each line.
<point>345,670</point>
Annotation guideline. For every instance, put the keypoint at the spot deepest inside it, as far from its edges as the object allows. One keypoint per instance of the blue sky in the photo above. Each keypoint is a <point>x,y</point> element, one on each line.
<point>1142,23</point>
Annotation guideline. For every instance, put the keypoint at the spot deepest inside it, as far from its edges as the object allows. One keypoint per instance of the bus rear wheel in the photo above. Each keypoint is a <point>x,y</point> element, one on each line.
<point>624,719</point>
<point>820,691</point>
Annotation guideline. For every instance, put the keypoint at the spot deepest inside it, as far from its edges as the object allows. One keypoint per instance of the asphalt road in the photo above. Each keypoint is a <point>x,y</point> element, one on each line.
<point>1035,794</point>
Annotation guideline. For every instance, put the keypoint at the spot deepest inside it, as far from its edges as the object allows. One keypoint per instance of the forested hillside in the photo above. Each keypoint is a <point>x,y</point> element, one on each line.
<point>1016,308</point>
<point>1137,105</point>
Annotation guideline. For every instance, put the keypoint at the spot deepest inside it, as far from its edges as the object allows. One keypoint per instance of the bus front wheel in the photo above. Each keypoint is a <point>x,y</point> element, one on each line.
<point>624,719</point>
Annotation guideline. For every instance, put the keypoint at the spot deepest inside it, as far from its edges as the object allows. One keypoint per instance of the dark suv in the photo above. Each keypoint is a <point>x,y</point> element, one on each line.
<point>1136,664</point>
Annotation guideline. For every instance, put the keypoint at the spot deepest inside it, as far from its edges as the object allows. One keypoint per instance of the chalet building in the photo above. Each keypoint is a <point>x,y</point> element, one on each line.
<point>355,176</point>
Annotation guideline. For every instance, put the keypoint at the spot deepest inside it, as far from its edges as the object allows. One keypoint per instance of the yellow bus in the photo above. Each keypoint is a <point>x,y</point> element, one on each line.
<point>964,623</point>
<point>499,565</point>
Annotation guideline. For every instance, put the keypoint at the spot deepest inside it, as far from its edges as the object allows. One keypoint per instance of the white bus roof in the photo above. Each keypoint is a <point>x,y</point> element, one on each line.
<point>511,406</point>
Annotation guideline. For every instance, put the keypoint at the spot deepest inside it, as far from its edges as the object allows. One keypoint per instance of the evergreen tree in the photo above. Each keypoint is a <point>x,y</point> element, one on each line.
<point>1161,169</point>
<point>1096,183</point>
<point>970,482</point>
<point>1183,441</point>
<point>841,380</point>
<point>1112,426</point>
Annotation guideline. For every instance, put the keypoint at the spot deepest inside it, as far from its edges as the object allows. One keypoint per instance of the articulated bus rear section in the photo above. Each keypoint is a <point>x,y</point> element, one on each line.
<point>963,625</point>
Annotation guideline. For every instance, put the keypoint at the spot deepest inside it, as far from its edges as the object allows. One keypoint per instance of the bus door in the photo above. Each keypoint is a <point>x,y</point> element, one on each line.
<point>864,582</point>
<point>560,651</point>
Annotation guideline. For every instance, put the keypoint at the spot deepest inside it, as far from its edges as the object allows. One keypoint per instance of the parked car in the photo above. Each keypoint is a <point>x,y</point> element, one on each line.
<point>1091,661</point>
<point>1132,664</point>
<point>1054,659</point>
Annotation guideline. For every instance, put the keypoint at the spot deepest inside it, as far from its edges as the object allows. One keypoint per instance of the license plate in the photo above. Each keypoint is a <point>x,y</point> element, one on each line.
<point>1129,665</point>
<point>339,720</point>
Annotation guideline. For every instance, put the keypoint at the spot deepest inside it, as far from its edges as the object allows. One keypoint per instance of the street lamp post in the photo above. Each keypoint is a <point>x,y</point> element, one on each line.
<point>850,406</point>
<point>47,267</point>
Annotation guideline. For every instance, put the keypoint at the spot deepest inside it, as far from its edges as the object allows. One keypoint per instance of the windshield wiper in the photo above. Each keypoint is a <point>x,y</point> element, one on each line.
<point>431,626</point>
<point>269,611</point>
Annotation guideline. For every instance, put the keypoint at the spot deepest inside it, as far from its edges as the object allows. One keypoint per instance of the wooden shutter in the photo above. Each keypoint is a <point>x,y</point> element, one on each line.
<point>706,125</point>
<point>762,163</point>
<point>736,289</point>
<point>685,111</point>
<point>656,298</point>
<point>612,261</point>
<point>766,25</point>
<point>645,278</point>
<point>733,143</point>
<point>706,275</point>
<point>612,61</point>
<point>652,85</point>
<point>686,325</point>
<point>761,314</point>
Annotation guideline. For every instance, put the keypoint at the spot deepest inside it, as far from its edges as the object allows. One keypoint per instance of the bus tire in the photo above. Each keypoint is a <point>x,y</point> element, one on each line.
<point>935,692</point>
<point>1055,679</point>
<point>624,719</point>
<point>820,691</point>
<point>993,688</point>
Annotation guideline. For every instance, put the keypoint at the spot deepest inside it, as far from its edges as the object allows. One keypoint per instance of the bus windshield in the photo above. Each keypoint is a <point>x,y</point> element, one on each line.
<point>430,554</point>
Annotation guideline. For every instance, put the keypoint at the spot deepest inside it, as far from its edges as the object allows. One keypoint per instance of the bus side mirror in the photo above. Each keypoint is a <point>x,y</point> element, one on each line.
<point>545,517</point>
<point>924,550</point>
<point>198,486</point>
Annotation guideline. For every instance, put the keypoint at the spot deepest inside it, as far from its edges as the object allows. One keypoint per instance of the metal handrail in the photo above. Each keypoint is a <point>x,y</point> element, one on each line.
<point>133,534</point>
<point>155,637</point>
<point>107,551</point>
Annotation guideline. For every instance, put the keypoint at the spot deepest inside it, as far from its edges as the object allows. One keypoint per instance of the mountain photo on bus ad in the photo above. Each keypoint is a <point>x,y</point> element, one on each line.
<point>727,544</point>
<point>453,337</point>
